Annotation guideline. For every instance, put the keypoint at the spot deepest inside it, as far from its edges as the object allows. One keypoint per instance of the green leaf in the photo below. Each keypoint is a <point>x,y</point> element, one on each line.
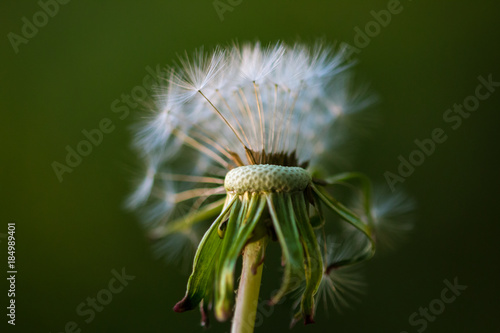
<point>288,237</point>
<point>256,208</point>
<point>248,218</point>
<point>318,219</point>
<point>223,299</point>
<point>200,283</point>
<point>313,262</point>
<point>187,221</point>
<point>366,189</point>
<point>354,220</point>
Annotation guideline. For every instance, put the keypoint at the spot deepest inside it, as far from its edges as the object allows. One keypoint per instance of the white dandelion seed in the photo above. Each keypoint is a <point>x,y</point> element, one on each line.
<point>341,285</point>
<point>143,190</point>
<point>393,216</point>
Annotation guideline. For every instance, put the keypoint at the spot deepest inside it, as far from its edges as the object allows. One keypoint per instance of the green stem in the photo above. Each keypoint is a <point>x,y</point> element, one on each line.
<point>249,288</point>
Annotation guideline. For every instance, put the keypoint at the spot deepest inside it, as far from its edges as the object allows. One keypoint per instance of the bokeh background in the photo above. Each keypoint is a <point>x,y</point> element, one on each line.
<point>72,234</point>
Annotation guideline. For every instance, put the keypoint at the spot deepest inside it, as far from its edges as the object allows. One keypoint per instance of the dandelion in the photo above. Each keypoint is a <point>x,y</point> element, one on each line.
<point>245,137</point>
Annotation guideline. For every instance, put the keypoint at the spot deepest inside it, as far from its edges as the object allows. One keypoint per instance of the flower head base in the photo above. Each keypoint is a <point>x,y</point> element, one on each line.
<point>253,124</point>
<point>266,178</point>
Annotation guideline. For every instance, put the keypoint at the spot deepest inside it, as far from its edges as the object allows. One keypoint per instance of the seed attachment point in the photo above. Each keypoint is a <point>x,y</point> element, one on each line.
<point>266,178</point>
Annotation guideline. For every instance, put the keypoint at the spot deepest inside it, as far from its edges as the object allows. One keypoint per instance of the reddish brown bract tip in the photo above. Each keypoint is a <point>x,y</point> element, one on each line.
<point>183,305</point>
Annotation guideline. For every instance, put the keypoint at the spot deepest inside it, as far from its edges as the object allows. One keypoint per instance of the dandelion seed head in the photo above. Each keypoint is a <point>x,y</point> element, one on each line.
<point>240,134</point>
<point>239,105</point>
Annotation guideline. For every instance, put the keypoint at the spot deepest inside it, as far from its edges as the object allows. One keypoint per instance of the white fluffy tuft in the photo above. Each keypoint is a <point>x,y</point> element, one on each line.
<point>393,216</point>
<point>280,98</point>
<point>343,285</point>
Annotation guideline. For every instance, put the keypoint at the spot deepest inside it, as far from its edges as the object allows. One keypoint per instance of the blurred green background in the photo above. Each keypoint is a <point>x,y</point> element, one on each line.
<point>72,234</point>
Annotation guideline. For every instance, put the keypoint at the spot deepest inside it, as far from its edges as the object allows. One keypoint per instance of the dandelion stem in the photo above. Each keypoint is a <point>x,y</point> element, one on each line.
<point>248,290</point>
